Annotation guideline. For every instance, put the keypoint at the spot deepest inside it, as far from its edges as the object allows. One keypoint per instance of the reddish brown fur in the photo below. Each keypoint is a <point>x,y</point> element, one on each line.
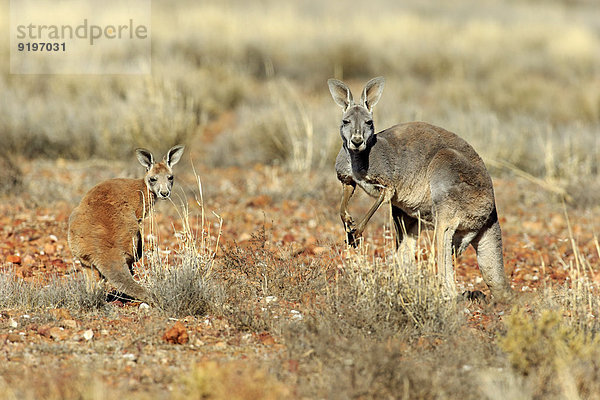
<point>104,230</point>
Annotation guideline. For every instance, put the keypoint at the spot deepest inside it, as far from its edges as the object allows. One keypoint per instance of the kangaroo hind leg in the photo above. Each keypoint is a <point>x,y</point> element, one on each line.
<point>118,274</point>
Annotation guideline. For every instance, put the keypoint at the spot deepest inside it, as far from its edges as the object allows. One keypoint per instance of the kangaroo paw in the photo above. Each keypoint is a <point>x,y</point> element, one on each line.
<point>474,295</point>
<point>352,237</point>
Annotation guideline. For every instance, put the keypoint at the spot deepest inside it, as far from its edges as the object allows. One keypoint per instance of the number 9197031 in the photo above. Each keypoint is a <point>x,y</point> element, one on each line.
<point>41,46</point>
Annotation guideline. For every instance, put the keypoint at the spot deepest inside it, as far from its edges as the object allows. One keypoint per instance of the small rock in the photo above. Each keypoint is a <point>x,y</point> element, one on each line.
<point>260,201</point>
<point>88,335</point>
<point>60,313</point>
<point>13,259</point>
<point>44,330</point>
<point>57,333</point>
<point>177,334</point>
<point>296,315</point>
<point>49,249</point>
<point>12,323</point>
<point>288,238</point>
<point>246,337</point>
<point>14,338</point>
<point>266,338</point>
<point>144,307</point>
<point>244,237</point>
<point>318,250</point>
<point>69,323</point>
<point>293,365</point>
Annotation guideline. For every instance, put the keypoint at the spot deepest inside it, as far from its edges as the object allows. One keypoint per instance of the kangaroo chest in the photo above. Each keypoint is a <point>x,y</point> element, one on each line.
<point>413,199</point>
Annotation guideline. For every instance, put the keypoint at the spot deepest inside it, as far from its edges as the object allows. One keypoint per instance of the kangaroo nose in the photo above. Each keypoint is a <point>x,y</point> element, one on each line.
<point>164,193</point>
<point>356,140</point>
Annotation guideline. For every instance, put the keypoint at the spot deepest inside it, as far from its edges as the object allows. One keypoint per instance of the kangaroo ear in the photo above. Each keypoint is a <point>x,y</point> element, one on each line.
<point>145,158</point>
<point>341,93</point>
<point>174,155</point>
<point>372,92</point>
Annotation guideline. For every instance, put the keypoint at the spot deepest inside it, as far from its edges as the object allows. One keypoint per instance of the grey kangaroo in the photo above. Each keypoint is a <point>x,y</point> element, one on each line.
<point>432,178</point>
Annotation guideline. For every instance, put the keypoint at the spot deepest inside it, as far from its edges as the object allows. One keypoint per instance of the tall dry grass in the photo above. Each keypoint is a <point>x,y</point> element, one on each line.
<point>180,280</point>
<point>518,80</point>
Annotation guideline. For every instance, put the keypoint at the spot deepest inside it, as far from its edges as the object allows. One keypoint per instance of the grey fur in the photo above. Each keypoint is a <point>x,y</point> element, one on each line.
<point>428,174</point>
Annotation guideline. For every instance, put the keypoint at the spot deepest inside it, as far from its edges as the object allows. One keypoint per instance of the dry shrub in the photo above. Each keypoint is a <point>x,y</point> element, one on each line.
<point>556,359</point>
<point>236,380</point>
<point>185,288</point>
<point>62,382</point>
<point>11,176</point>
<point>553,343</point>
<point>356,365</point>
<point>385,330</point>
<point>579,296</point>
<point>381,297</point>
<point>253,273</point>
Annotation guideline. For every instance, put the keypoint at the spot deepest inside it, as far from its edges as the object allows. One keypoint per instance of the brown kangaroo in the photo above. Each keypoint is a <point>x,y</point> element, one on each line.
<point>429,175</point>
<point>104,230</point>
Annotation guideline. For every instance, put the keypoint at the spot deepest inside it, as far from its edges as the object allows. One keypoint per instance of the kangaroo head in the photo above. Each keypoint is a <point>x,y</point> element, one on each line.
<point>357,127</point>
<point>159,176</point>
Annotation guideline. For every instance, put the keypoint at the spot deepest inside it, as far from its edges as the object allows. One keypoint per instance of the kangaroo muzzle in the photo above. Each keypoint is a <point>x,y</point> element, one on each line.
<point>164,193</point>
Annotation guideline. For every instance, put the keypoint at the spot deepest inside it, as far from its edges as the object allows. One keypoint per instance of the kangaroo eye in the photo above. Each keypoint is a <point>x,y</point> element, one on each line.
<point>170,178</point>
<point>153,179</point>
<point>369,122</point>
<point>345,122</point>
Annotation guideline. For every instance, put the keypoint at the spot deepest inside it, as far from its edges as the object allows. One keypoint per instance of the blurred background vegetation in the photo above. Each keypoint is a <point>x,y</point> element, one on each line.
<point>245,82</point>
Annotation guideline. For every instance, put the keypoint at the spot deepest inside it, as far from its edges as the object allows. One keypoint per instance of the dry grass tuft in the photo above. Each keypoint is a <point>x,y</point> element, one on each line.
<point>74,292</point>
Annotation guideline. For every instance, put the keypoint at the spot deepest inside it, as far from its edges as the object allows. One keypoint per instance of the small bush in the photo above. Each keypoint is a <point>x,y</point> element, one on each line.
<point>183,285</point>
<point>186,288</point>
<point>231,381</point>
<point>556,359</point>
<point>255,272</point>
<point>355,365</point>
<point>374,313</point>
<point>11,177</point>
<point>383,297</point>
